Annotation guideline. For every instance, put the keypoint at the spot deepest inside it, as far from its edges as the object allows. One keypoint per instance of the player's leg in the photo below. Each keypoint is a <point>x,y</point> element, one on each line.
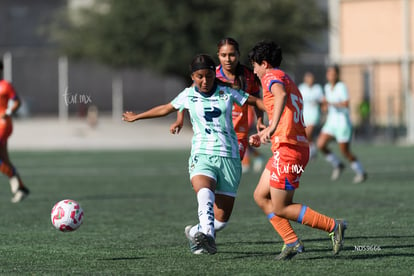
<point>292,244</point>
<point>228,179</point>
<point>360,174</point>
<point>18,190</point>
<point>310,129</point>
<point>204,232</point>
<point>203,179</point>
<point>322,144</point>
<point>223,207</point>
<point>284,207</point>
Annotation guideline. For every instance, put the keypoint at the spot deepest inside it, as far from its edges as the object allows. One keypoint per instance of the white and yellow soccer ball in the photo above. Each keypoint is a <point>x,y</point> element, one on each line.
<point>67,215</point>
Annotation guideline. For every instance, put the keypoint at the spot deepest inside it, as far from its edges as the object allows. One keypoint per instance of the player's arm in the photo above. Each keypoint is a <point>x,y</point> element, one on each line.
<point>259,115</point>
<point>324,105</point>
<point>13,103</point>
<point>176,127</point>
<point>155,112</point>
<point>343,104</point>
<point>280,97</point>
<point>256,102</point>
<point>13,106</point>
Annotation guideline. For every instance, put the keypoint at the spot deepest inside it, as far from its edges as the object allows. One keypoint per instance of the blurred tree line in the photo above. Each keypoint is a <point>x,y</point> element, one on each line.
<point>164,35</point>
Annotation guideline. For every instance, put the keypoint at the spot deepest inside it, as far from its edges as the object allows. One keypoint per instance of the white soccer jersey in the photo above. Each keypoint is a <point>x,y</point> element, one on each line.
<point>336,94</point>
<point>312,98</point>
<point>211,117</point>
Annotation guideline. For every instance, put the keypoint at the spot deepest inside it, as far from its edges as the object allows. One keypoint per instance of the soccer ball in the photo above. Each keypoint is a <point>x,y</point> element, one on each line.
<point>66,215</point>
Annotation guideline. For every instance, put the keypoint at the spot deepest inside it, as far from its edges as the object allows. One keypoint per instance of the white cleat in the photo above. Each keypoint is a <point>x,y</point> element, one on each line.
<point>336,172</point>
<point>360,177</point>
<point>21,194</point>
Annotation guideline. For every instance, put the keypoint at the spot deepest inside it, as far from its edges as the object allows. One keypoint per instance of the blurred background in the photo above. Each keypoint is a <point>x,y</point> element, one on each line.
<point>78,64</point>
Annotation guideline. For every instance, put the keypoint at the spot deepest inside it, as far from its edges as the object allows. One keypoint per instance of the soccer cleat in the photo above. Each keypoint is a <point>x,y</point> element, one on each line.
<point>288,252</point>
<point>336,172</point>
<point>206,242</point>
<point>21,194</point>
<point>337,236</point>
<point>194,247</point>
<point>360,177</point>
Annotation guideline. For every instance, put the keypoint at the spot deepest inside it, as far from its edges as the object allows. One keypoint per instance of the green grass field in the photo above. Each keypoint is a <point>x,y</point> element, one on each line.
<point>137,203</point>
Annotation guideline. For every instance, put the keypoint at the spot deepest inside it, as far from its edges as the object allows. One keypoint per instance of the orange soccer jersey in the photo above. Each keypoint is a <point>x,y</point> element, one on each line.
<point>291,128</point>
<point>6,93</point>
<point>240,113</point>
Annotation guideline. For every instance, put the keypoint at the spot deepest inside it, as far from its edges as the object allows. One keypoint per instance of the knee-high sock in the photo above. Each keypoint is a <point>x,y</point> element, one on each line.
<point>357,167</point>
<point>283,228</point>
<point>316,220</point>
<point>205,198</point>
<point>331,158</point>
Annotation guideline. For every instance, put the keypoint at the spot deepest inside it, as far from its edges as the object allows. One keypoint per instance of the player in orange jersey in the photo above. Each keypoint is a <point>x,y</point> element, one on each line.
<point>240,77</point>
<point>9,103</point>
<point>286,132</point>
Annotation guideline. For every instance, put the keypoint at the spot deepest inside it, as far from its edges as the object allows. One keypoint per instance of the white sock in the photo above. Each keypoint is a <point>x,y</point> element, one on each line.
<point>205,198</point>
<point>331,158</point>
<point>357,167</point>
<point>195,229</point>
<point>219,225</point>
<point>14,183</point>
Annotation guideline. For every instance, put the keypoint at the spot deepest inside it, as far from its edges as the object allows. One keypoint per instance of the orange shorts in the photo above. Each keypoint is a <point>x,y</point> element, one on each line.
<point>287,165</point>
<point>243,144</point>
<point>6,129</point>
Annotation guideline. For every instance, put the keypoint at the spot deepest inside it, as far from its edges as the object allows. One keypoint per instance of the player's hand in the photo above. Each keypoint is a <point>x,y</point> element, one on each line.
<point>260,125</point>
<point>129,116</point>
<point>254,140</point>
<point>175,128</point>
<point>265,135</point>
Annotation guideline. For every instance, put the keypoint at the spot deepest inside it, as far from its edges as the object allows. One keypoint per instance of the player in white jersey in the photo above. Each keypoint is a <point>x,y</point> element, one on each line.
<point>312,95</point>
<point>214,164</point>
<point>338,126</point>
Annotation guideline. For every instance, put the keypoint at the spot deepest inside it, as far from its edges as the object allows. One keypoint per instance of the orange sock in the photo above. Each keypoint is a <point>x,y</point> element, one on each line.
<point>314,219</point>
<point>6,169</point>
<point>283,228</point>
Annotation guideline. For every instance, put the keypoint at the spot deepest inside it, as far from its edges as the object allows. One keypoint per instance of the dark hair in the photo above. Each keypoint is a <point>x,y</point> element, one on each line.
<point>202,61</point>
<point>240,78</point>
<point>335,67</point>
<point>268,51</point>
<point>230,41</point>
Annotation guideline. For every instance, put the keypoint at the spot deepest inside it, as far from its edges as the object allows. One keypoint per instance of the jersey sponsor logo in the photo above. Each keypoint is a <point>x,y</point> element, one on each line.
<point>223,96</point>
<point>210,113</point>
<point>194,99</point>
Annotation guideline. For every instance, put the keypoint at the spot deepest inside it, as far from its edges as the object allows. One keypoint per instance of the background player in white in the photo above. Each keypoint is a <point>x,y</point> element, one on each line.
<point>338,126</point>
<point>312,95</point>
<point>214,164</point>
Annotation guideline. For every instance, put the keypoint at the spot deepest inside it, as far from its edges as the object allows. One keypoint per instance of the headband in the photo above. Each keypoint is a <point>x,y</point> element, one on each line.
<point>201,66</point>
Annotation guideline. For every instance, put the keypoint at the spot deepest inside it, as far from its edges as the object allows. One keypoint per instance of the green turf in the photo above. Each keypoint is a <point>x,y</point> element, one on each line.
<point>137,203</point>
